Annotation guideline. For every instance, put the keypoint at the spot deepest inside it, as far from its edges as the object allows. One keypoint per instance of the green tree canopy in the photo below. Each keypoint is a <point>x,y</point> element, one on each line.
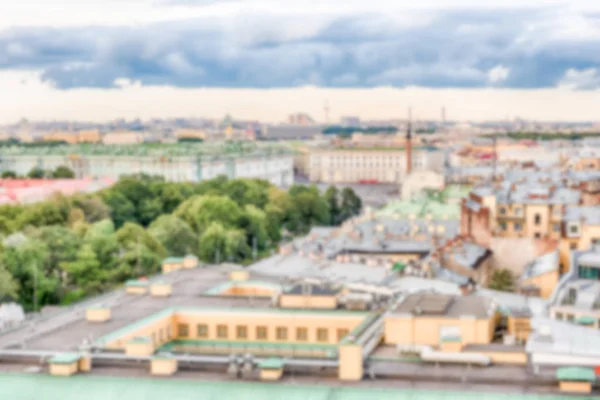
<point>9,175</point>
<point>63,172</point>
<point>175,235</point>
<point>200,211</point>
<point>502,280</point>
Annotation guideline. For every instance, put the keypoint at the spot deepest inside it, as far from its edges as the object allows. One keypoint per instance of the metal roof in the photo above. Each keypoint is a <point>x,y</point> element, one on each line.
<point>22,386</point>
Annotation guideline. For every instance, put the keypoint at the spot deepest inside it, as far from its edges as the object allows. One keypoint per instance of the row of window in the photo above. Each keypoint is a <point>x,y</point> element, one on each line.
<point>261,333</point>
<point>518,227</point>
<point>568,317</point>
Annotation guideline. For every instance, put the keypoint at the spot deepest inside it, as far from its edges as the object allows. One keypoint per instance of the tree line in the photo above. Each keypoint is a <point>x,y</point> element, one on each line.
<point>61,172</point>
<point>67,248</point>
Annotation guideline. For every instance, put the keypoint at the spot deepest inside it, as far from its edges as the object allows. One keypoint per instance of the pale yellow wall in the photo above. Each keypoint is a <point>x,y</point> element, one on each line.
<point>314,302</point>
<point>157,330</point>
<point>519,327</point>
<point>271,322</point>
<point>575,387</point>
<point>98,314</point>
<point>163,367</point>
<point>63,369</point>
<point>139,349</point>
<point>239,275</point>
<point>248,291</point>
<point>542,228</point>
<point>517,358</point>
<point>136,290</point>
<point>568,311</point>
<point>588,233</point>
<point>546,282</point>
<point>161,289</point>
<point>85,363</point>
<point>351,362</point>
<point>168,267</point>
<point>425,330</point>
<point>190,263</point>
<point>271,374</point>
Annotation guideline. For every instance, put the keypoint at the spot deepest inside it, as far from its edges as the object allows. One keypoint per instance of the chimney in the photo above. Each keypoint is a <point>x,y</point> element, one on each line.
<point>409,143</point>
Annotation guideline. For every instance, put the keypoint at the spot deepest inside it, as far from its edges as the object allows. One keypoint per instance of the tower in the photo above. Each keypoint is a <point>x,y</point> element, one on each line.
<point>409,142</point>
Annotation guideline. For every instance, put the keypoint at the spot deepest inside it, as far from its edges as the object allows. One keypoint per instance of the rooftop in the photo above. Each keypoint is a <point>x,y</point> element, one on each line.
<point>425,304</point>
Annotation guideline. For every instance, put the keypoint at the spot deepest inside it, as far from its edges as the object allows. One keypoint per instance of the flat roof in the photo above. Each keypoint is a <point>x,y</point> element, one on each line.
<point>427,304</point>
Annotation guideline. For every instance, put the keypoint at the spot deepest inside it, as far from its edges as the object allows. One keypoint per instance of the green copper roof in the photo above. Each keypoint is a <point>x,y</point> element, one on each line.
<point>586,320</point>
<point>575,374</point>
<point>271,363</point>
<point>136,283</point>
<point>81,387</point>
<point>173,260</point>
<point>65,358</point>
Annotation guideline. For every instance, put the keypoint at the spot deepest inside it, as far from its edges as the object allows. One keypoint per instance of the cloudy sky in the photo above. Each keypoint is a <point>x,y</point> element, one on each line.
<point>92,59</point>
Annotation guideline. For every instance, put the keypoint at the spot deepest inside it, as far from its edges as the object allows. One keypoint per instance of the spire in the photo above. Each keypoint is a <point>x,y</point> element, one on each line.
<point>409,142</point>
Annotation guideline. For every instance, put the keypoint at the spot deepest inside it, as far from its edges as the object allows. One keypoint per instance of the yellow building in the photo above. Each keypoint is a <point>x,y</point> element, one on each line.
<point>67,137</point>
<point>312,296</point>
<point>445,322</point>
<point>541,276</point>
<point>91,136</point>
<point>581,232</point>
<point>175,263</point>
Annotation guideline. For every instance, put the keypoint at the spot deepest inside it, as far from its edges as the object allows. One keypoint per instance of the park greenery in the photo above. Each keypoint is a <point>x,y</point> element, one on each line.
<point>68,248</point>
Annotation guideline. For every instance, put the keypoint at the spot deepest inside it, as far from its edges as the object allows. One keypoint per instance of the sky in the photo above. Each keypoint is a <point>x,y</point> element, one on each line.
<point>263,59</point>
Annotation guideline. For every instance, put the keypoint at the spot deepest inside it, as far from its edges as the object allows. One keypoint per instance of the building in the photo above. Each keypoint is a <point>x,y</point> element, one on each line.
<point>179,163</point>
<point>25,191</point>
<point>290,132</point>
<point>123,138</point>
<point>581,231</point>
<point>541,275</point>
<point>445,322</point>
<point>418,181</point>
<point>335,165</point>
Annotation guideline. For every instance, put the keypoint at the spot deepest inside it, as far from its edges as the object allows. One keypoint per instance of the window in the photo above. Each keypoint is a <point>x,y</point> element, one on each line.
<point>154,338</point>
<point>342,333</point>
<point>537,219</point>
<point>183,330</point>
<point>169,332</point>
<point>558,316</point>
<point>222,331</point>
<point>556,227</point>
<point>161,335</point>
<point>502,210</point>
<point>573,246</point>
<point>202,331</point>
<point>503,226</point>
<point>518,211</point>
<point>538,235</point>
<point>261,333</point>
<point>281,333</point>
<point>301,334</point>
<point>570,317</point>
<point>241,332</point>
<point>518,227</point>
<point>322,335</point>
<point>574,229</point>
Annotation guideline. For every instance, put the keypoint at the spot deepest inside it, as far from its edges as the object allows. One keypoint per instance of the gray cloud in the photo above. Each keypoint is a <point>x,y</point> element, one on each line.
<point>471,48</point>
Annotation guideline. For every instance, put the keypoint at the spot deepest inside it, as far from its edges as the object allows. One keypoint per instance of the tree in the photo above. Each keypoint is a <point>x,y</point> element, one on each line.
<point>9,175</point>
<point>175,235</point>
<point>63,172</point>
<point>85,271</point>
<point>218,244</point>
<point>121,209</point>
<point>502,280</point>
<point>37,173</point>
<point>93,208</point>
<point>254,223</point>
<point>200,211</point>
<point>351,204</point>
<point>61,245</point>
<point>331,195</point>
<point>8,286</point>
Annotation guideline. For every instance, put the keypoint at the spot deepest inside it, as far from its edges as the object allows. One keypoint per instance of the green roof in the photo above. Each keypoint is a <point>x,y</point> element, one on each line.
<point>271,363</point>
<point>575,374</point>
<point>65,358</point>
<point>171,346</point>
<point>78,387</point>
<point>140,340</point>
<point>163,356</point>
<point>173,260</point>
<point>586,320</point>
<point>136,283</point>
<point>450,339</point>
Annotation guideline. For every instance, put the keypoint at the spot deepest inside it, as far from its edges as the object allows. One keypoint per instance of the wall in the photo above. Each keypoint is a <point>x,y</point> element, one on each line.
<point>425,330</point>
<point>299,301</point>
<point>351,363</point>
<point>63,369</point>
<point>160,331</point>
<point>545,282</point>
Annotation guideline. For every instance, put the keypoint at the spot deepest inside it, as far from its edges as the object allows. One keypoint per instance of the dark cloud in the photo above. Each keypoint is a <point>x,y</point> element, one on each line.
<point>447,49</point>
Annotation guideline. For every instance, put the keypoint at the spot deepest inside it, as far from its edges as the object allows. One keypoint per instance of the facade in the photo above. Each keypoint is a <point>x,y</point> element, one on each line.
<point>445,322</point>
<point>416,182</point>
<point>581,232</point>
<point>123,138</point>
<point>368,165</point>
<point>179,163</point>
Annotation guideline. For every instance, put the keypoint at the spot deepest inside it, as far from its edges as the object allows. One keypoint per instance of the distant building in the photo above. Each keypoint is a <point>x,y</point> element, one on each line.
<point>290,132</point>
<point>418,181</point>
<point>350,121</point>
<point>368,165</point>
<point>180,163</point>
<point>24,191</point>
<point>121,138</point>
<point>300,119</point>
